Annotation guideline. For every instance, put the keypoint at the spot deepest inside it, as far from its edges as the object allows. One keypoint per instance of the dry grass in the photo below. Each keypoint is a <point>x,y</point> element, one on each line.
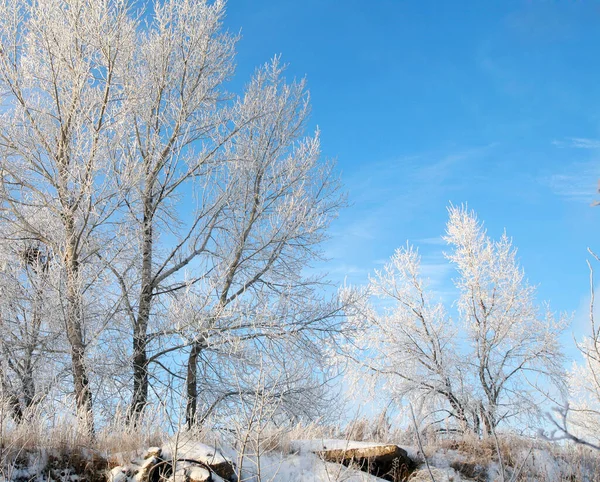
<point>279,439</point>
<point>50,444</point>
<point>523,459</point>
<point>53,445</point>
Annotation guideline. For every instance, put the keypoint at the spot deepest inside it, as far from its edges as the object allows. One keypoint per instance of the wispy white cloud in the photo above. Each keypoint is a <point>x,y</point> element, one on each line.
<point>436,241</point>
<point>403,185</point>
<point>578,183</point>
<point>387,195</point>
<point>577,143</point>
<point>348,270</point>
<point>437,273</point>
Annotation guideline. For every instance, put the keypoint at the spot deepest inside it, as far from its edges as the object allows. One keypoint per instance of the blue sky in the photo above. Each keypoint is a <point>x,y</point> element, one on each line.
<point>495,104</point>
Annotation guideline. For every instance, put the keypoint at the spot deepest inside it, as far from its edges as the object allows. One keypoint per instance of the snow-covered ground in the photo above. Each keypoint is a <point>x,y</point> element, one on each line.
<point>274,466</point>
<point>301,464</point>
<point>300,468</point>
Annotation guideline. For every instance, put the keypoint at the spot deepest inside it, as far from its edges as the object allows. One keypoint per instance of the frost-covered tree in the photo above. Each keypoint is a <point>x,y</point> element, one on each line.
<point>515,344</point>
<point>579,419</point>
<point>477,370</point>
<point>409,345</point>
<point>123,155</point>
<point>60,80</point>
<point>281,201</point>
<point>261,344</point>
<point>227,197</point>
<point>30,332</point>
<point>171,158</point>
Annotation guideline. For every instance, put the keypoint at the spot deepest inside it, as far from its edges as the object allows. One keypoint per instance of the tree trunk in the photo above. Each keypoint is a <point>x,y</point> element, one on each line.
<point>191,409</point>
<point>487,421</point>
<point>140,362</point>
<point>476,424</point>
<point>28,387</point>
<point>459,411</point>
<point>74,322</point>
<point>140,330</point>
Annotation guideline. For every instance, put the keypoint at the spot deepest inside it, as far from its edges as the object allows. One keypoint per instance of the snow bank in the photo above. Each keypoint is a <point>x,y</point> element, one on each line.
<point>186,448</point>
<point>301,468</point>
